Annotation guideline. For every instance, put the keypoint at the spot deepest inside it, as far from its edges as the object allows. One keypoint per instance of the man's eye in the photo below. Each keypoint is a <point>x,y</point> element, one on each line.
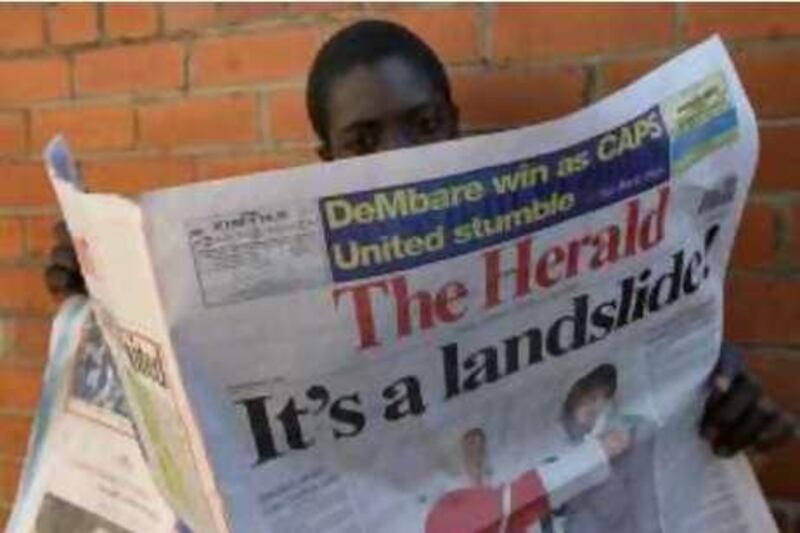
<point>364,142</point>
<point>428,124</point>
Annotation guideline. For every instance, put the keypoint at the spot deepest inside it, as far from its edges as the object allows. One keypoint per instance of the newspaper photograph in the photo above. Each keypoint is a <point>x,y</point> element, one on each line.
<point>85,471</point>
<point>510,332</point>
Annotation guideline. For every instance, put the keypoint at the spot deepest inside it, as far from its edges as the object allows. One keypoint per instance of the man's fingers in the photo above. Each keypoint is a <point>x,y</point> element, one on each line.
<point>725,407</point>
<point>780,430</point>
<point>64,256</point>
<point>745,430</point>
<point>63,282</point>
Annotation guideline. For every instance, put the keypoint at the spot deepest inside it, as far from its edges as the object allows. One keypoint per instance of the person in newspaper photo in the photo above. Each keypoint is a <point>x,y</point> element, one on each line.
<point>483,505</point>
<point>626,502</point>
<point>95,380</point>
<point>375,86</point>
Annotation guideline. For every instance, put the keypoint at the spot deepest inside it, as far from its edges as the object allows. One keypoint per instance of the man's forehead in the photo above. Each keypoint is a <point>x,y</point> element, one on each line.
<point>371,92</point>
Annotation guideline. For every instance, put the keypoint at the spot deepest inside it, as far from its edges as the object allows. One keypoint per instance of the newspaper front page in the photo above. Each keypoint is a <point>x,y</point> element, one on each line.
<point>84,471</point>
<point>510,332</point>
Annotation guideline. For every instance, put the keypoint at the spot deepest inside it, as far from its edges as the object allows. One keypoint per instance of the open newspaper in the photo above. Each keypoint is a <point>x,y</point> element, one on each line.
<point>510,332</point>
<point>84,470</point>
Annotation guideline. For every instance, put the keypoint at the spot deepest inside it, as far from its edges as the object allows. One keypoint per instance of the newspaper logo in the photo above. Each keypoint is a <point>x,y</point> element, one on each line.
<point>144,356</point>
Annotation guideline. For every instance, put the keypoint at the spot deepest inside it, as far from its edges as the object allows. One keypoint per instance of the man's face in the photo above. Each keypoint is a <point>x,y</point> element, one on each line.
<point>385,106</point>
<point>589,409</point>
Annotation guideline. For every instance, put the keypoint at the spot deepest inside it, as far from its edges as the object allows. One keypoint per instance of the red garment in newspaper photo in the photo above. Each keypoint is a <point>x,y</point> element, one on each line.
<point>602,482</point>
<point>508,507</point>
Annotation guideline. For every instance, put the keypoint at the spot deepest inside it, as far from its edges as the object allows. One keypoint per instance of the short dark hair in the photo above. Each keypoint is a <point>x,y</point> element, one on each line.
<point>604,377</point>
<point>365,43</point>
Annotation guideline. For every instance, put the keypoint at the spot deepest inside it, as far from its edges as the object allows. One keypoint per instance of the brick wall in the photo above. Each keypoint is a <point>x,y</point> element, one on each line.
<point>154,95</point>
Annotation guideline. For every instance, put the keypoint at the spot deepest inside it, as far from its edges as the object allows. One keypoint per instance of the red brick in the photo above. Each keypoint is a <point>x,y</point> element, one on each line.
<point>14,430</point>
<point>761,309</point>
<point>756,241</point>
<point>324,7</point>
<point>777,372</point>
<point>134,68</point>
<point>19,387</point>
<point>779,161</point>
<point>523,31</point>
<point>216,167</point>
<point>12,238</point>
<point>126,19</point>
<point>24,185</point>
<point>280,54</point>
<point>13,134</point>
<point>503,99</point>
<point>21,26</point>
<point>742,20</point>
<point>188,15</point>
<point>39,235</point>
<point>777,472</point>
<point>29,336</point>
<point>452,32</point>
<point>24,289</point>
<point>765,74</point>
<point>288,120</point>
<point>30,80</point>
<point>73,23</point>
<point>86,128</point>
<point>617,75</point>
<point>199,121</point>
<point>248,11</point>
<point>9,479</point>
<point>795,235</point>
<point>135,176</point>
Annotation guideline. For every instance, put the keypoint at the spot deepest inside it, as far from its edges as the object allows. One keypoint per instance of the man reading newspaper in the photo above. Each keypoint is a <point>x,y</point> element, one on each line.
<point>376,87</point>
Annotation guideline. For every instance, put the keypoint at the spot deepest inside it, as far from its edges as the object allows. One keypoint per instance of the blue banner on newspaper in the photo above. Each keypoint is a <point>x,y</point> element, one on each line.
<point>370,233</point>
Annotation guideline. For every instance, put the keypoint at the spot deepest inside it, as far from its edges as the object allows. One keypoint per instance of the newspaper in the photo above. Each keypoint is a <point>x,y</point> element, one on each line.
<point>509,332</point>
<point>84,470</point>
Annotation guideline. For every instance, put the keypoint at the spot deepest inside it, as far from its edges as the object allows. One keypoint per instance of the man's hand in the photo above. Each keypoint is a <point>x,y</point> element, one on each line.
<point>739,416</point>
<point>615,442</point>
<point>63,273</point>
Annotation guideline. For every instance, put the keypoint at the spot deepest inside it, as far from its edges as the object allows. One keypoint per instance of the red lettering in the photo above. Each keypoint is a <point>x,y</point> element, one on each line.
<point>363,308</point>
<point>522,274</point>
<point>448,295</point>
<point>573,256</point>
<point>550,260</point>
<point>523,268</point>
<point>631,228</point>
<point>403,302</point>
<point>492,260</point>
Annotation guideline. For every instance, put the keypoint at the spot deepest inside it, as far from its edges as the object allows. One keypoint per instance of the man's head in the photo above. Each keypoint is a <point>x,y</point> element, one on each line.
<point>473,450</point>
<point>589,400</point>
<point>376,86</point>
